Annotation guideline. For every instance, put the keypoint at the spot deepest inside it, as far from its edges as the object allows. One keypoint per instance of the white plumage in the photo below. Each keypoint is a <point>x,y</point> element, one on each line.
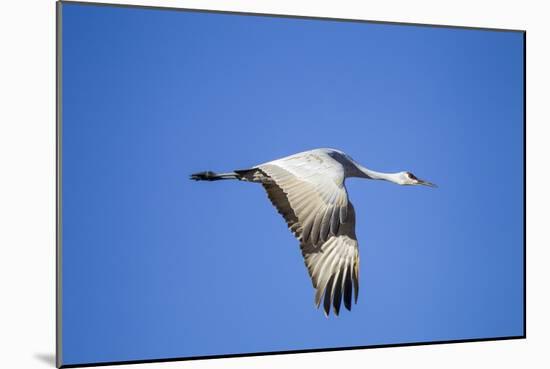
<point>308,190</point>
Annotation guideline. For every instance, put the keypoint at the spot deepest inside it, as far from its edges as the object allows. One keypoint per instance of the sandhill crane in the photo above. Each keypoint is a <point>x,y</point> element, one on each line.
<point>308,191</point>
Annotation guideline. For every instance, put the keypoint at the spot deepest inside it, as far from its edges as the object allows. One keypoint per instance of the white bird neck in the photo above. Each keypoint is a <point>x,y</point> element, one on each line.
<point>371,174</point>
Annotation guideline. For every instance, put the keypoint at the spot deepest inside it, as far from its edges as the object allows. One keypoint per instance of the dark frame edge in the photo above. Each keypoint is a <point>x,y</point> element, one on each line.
<point>58,142</point>
<point>525,184</point>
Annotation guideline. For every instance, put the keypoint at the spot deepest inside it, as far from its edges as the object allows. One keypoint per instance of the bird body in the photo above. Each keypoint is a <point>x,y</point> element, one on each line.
<point>308,190</point>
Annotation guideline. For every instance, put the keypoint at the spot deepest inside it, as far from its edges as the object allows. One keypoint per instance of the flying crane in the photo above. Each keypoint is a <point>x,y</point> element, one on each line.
<point>308,190</point>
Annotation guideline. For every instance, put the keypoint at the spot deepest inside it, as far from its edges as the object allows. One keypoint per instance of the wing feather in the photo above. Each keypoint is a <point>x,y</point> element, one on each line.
<point>337,290</point>
<point>313,183</point>
<point>347,287</point>
<point>328,295</point>
<point>308,191</point>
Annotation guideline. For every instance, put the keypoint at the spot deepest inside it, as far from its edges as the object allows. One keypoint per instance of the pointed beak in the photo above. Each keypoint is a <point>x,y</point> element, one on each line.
<point>425,183</point>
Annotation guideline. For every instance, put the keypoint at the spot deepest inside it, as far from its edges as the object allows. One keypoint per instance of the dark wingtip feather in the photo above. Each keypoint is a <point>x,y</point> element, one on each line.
<point>355,275</point>
<point>356,288</point>
<point>347,290</point>
<point>328,296</point>
<point>337,298</point>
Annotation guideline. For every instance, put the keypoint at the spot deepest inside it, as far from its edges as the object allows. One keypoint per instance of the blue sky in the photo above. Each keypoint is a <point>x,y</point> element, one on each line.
<point>157,266</point>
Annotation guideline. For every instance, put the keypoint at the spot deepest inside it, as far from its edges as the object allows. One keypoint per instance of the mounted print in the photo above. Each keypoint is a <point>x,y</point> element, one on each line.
<point>235,184</point>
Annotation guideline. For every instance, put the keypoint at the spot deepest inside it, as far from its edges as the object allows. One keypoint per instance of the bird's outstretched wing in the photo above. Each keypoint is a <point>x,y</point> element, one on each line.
<point>334,271</point>
<point>308,191</point>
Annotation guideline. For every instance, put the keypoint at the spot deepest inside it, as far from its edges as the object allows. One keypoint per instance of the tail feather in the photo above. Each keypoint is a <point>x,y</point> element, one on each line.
<point>212,176</point>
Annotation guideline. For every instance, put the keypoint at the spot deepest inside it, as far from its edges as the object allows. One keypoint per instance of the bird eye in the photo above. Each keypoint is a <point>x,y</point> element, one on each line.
<point>411,176</point>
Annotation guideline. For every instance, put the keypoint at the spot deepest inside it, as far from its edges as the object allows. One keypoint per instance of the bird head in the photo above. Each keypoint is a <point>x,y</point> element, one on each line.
<point>409,179</point>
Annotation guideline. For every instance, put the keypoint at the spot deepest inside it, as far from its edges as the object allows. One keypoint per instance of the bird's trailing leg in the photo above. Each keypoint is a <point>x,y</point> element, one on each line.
<point>247,175</point>
<point>212,176</point>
